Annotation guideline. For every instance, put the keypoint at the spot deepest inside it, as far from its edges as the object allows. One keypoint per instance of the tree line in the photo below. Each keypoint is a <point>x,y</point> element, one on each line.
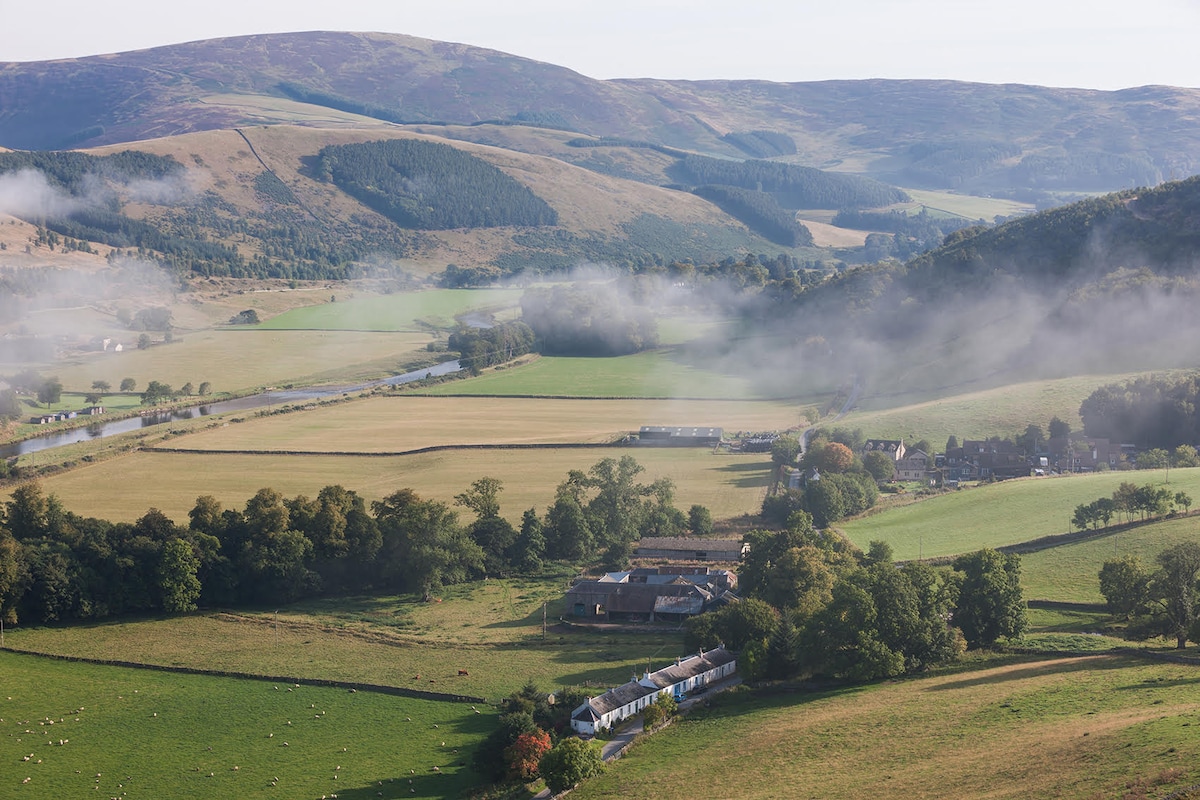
<point>1159,601</point>
<point>479,348</point>
<point>792,186</point>
<point>760,212</point>
<point>1149,411</point>
<point>1129,500</point>
<point>56,565</point>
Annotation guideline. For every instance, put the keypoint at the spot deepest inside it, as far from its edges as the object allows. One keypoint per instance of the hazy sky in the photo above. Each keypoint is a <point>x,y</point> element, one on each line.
<point>1103,44</point>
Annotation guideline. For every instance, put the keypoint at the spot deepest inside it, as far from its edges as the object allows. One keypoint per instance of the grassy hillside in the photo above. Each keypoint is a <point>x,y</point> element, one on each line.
<point>1105,726</point>
<point>996,514</point>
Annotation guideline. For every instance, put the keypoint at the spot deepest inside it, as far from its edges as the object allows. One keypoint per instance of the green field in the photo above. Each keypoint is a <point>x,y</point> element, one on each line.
<point>393,312</point>
<point>406,422</point>
<point>965,205</point>
<point>655,373</point>
<point>124,488</point>
<point>996,514</point>
<point>1070,572</point>
<point>144,734</point>
<point>1104,726</point>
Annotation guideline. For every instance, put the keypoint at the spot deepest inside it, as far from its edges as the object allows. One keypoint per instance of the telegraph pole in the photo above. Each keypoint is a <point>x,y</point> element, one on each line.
<point>543,622</point>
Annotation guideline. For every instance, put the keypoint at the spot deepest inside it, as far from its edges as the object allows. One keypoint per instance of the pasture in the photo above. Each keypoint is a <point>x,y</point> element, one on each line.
<point>654,373</point>
<point>963,205</point>
<point>124,488</point>
<point>140,733</point>
<point>990,515</point>
<point>1005,727</point>
<point>1070,572</point>
<point>406,422</point>
<point>393,312</point>
<point>315,645</point>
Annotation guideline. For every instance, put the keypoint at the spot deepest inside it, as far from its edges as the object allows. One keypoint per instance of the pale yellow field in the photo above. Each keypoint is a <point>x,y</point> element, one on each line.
<point>124,488</point>
<point>233,360</point>
<point>392,424</point>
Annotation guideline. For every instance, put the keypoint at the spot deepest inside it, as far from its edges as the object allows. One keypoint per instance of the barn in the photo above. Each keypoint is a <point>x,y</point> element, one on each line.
<point>679,436</point>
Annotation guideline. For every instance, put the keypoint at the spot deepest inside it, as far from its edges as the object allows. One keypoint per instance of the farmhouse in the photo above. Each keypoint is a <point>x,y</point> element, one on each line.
<point>913,467</point>
<point>893,447</point>
<point>678,548</point>
<point>668,436</point>
<point>662,594</point>
<point>684,676</point>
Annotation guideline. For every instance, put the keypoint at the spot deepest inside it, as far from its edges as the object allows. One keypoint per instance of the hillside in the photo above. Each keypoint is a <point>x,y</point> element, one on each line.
<point>1004,139</point>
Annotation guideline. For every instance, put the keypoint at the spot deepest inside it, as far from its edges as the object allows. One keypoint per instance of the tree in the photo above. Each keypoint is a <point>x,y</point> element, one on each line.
<point>177,581</point>
<point>700,521</point>
<point>143,341</point>
<point>658,712</point>
<point>1185,456</point>
<point>14,574</point>
<point>1184,500</point>
<point>569,763</point>
<point>187,390</point>
<point>93,398</point>
<point>205,388</point>
<point>1058,429</point>
<point>128,385</point>
<point>482,497</point>
<point>1155,458</point>
<point>785,449</point>
<point>1174,590</point>
<point>156,392</point>
<point>880,466</point>
<point>524,754</point>
<point>50,392</point>
<point>835,457</point>
<point>990,604</point>
<point>103,387</point>
<point>1125,584</point>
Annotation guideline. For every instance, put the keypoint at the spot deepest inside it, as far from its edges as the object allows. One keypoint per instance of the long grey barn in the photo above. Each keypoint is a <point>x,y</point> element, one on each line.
<point>679,548</point>
<point>679,436</point>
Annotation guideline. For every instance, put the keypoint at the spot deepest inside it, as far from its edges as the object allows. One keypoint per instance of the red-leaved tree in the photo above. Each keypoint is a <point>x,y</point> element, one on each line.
<point>523,755</point>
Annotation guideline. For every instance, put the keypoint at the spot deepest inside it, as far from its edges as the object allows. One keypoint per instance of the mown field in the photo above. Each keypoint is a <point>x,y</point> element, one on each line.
<point>1070,572</point>
<point>135,733</point>
<point>124,488</point>
<point>392,312</point>
<point>1102,726</point>
<point>656,373</point>
<point>405,422</point>
<point>996,514</point>
<point>235,359</point>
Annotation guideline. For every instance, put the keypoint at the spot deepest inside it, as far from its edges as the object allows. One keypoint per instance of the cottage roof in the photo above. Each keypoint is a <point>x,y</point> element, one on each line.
<point>689,667</point>
<point>678,605</point>
<point>613,699</point>
<point>640,598</point>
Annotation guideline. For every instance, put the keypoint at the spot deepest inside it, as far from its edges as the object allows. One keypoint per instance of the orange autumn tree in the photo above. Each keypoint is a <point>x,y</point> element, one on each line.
<point>523,755</point>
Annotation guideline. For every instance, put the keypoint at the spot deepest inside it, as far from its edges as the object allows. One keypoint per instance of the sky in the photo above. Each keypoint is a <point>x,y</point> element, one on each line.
<point>1100,44</point>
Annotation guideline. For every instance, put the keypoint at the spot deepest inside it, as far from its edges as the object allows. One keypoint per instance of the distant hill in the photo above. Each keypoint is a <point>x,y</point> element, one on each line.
<point>1001,139</point>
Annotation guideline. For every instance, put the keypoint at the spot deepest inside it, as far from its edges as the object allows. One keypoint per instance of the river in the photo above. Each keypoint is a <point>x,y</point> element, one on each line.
<point>267,399</point>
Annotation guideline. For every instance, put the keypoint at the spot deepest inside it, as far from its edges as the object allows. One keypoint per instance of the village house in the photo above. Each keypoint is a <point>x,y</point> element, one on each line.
<point>893,447</point>
<point>914,466</point>
<point>686,675</point>
<point>1081,453</point>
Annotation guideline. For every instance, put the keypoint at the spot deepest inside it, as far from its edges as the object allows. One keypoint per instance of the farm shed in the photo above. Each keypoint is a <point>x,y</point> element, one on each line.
<point>609,601</point>
<point>669,436</point>
<point>684,676</point>
<point>678,548</point>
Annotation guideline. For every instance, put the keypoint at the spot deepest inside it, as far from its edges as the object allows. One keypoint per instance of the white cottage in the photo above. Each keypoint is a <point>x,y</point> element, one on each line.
<point>684,676</point>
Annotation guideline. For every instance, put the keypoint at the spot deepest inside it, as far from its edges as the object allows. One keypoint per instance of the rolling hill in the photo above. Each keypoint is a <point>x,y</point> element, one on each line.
<point>933,134</point>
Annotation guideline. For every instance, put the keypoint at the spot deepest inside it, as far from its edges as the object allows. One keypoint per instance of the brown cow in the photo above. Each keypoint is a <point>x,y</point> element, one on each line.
<point>463,672</point>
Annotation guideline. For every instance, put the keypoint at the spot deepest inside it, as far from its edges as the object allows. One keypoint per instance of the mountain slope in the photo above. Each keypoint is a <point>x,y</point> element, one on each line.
<point>939,134</point>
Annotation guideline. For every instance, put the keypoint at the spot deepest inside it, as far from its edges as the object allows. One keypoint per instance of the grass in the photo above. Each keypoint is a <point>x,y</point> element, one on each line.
<point>655,373</point>
<point>996,514</point>
<point>125,487</point>
<point>313,645</point>
<point>392,312</point>
<point>1070,572</point>
<point>1008,728</point>
<point>139,733</point>
<point>405,422</point>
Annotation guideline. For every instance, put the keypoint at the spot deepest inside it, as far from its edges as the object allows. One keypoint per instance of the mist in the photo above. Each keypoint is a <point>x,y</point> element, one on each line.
<point>27,194</point>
